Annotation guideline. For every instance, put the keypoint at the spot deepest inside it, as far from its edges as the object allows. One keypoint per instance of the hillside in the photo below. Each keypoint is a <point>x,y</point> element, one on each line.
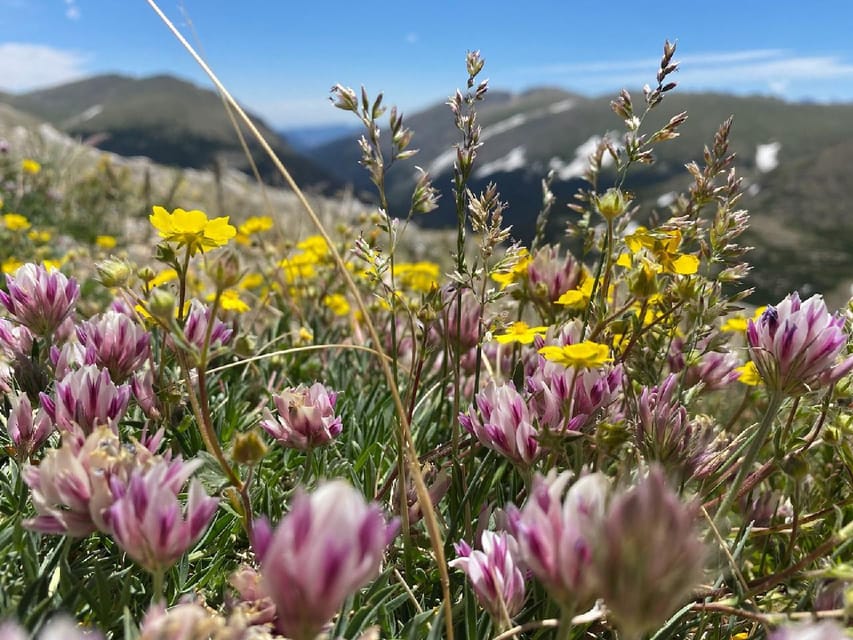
<point>795,159</point>
<point>171,121</point>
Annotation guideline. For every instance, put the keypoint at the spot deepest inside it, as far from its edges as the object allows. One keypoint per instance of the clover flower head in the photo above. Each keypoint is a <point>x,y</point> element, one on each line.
<point>38,298</point>
<point>306,417</point>
<point>500,420</point>
<point>796,345</point>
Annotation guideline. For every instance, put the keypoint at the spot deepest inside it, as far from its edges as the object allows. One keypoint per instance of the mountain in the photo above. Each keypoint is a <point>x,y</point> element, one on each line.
<point>795,159</point>
<point>311,137</point>
<point>169,120</point>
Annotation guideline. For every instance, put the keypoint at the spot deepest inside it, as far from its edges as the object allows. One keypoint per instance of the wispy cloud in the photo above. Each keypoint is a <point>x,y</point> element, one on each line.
<point>763,70</point>
<point>412,38</point>
<point>72,11</point>
<point>25,66</point>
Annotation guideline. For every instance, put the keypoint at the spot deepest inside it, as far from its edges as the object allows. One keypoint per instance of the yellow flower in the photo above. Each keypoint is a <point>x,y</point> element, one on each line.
<point>300,266</point>
<point>314,245</point>
<point>513,272</point>
<point>337,304</point>
<point>578,298</point>
<point>10,265</point>
<point>417,276</point>
<point>15,222</point>
<point>166,275</point>
<point>663,245</point>
<point>252,281</point>
<point>230,300</point>
<point>749,374</point>
<point>256,224</point>
<point>305,335</point>
<point>30,166</point>
<point>39,236</point>
<point>105,242</point>
<point>521,333</point>
<point>738,324</point>
<point>192,229</point>
<point>582,354</point>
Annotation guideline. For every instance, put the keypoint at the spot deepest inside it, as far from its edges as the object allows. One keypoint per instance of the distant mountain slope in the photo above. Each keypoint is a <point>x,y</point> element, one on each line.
<point>166,119</point>
<point>795,159</point>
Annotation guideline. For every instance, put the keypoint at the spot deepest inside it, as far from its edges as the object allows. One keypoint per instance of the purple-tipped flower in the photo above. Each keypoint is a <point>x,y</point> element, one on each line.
<point>115,342</point>
<point>551,386</point>
<point>501,421</point>
<point>39,299</point>
<point>185,621</point>
<point>195,328</point>
<point>795,345</point>
<point>649,555</point>
<point>71,487</point>
<point>557,534</point>
<point>85,399</point>
<point>329,545</point>
<point>28,430</point>
<point>549,276</point>
<point>494,574</point>
<point>147,520</point>
<point>827,630</point>
<point>664,432</point>
<point>306,417</point>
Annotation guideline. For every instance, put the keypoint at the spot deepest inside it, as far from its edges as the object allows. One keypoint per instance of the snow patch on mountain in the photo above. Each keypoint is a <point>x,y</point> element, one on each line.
<point>579,164</point>
<point>767,156</point>
<point>512,161</point>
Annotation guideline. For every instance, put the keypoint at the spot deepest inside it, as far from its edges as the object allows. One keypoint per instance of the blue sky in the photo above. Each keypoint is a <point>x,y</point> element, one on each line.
<point>280,57</point>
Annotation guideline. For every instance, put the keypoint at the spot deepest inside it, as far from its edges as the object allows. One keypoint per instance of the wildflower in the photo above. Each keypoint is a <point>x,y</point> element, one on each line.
<point>520,332</point>
<point>142,385</point>
<point>229,300</point>
<point>337,304</point>
<point>612,204</point>
<point>579,355</point>
<point>306,417</point>
<point>566,400</point>
<point>185,621</point>
<point>556,534</point>
<point>85,399</point>
<point>39,299</point>
<point>578,298</point>
<point>57,627</point>
<point>494,573</point>
<point>795,345</point>
<point>195,328</point>
<point>40,236</point>
<point>748,374</point>
<point>15,222</point>
<point>30,166</point>
<point>421,277</point>
<point>28,430</point>
<point>549,276</point>
<point>501,421</point>
<point>114,341</point>
<point>513,272</point>
<point>71,486</point>
<point>255,224</point>
<point>105,242</point>
<point>663,430</point>
<point>192,229</point>
<point>663,245</point>
<point>329,545</point>
<point>300,266</point>
<point>314,246</point>
<point>146,518</point>
<point>649,555</point>
<point>739,324</point>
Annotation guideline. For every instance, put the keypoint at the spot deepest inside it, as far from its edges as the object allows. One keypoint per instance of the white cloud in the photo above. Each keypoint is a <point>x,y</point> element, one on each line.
<point>26,66</point>
<point>752,70</point>
<point>72,11</point>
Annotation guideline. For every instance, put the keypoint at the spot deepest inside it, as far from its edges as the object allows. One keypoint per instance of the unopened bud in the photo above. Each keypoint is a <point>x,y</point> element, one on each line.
<point>113,272</point>
<point>249,448</point>
<point>225,270</point>
<point>612,204</point>
<point>161,304</point>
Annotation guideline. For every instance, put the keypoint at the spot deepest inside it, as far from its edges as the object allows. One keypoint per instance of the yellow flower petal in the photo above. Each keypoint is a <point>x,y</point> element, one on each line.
<point>685,265</point>
<point>582,354</point>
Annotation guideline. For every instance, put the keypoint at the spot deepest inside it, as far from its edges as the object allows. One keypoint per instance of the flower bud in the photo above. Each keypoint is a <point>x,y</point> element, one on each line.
<point>161,305</point>
<point>612,204</point>
<point>249,448</point>
<point>113,272</point>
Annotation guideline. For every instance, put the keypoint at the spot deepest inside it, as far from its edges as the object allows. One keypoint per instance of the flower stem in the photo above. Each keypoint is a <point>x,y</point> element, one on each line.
<point>564,631</point>
<point>758,439</point>
<point>157,584</point>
